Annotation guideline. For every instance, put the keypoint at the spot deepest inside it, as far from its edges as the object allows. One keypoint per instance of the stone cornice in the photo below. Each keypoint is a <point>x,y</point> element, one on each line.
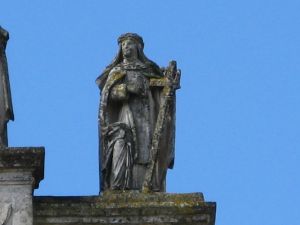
<point>24,159</point>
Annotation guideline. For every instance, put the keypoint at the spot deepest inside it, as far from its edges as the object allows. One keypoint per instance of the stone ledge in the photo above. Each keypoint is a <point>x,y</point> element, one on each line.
<point>22,159</point>
<point>124,208</point>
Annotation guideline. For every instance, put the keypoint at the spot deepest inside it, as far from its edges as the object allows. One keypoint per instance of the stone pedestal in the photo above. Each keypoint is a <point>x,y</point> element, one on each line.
<point>21,170</point>
<point>126,208</point>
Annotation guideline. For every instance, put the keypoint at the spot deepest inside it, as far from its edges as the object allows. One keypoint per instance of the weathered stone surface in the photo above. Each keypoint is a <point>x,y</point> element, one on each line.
<point>124,208</point>
<point>6,108</point>
<point>136,119</point>
<point>24,159</point>
<point>21,170</point>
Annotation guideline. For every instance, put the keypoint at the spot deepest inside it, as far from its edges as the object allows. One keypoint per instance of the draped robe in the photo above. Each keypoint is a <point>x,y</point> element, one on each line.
<point>128,111</point>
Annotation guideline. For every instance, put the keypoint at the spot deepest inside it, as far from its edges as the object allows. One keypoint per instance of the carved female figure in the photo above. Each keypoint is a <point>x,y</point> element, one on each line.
<point>128,112</point>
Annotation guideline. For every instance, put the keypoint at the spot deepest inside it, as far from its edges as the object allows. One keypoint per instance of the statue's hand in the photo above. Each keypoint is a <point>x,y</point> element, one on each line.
<point>119,92</point>
<point>136,86</point>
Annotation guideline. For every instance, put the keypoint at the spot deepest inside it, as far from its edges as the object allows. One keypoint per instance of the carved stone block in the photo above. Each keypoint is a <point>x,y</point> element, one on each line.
<point>21,170</point>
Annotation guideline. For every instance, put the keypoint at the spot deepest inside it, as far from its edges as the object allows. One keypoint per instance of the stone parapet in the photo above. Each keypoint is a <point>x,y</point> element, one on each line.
<point>125,208</point>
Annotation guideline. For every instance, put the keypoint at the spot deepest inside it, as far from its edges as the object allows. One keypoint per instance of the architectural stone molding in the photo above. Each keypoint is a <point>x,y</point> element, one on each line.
<point>22,159</point>
<point>21,170</point>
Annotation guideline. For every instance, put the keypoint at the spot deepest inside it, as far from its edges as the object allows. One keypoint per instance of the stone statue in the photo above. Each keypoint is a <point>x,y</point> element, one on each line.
<point>6,109</point>
<point>136,119</point>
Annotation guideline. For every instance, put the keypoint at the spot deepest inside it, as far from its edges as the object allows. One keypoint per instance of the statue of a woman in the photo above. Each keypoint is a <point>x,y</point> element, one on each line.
<point>128,112</point>
<point>6,110</point>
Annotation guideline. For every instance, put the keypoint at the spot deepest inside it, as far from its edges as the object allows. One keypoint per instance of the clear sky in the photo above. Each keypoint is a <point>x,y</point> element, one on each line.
<point>238,112</point>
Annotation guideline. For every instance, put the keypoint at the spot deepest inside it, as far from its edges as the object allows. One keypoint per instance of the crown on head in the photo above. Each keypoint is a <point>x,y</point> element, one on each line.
<point>133,36</point>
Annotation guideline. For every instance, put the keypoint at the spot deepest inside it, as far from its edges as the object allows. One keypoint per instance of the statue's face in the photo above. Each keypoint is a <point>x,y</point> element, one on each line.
<point>129,49</point>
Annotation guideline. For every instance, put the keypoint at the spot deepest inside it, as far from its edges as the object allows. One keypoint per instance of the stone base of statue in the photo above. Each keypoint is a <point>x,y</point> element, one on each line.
<point>128,207</point>
<point>21,170</point>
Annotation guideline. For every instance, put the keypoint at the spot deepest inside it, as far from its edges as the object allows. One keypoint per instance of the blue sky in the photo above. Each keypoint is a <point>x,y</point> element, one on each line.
<point>238,112</point>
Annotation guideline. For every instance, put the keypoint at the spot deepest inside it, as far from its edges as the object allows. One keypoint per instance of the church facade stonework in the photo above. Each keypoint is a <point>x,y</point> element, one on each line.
<point>136,148</point>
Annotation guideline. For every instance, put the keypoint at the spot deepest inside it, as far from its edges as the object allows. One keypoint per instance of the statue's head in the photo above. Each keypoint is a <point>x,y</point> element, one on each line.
<point>131,46</point>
